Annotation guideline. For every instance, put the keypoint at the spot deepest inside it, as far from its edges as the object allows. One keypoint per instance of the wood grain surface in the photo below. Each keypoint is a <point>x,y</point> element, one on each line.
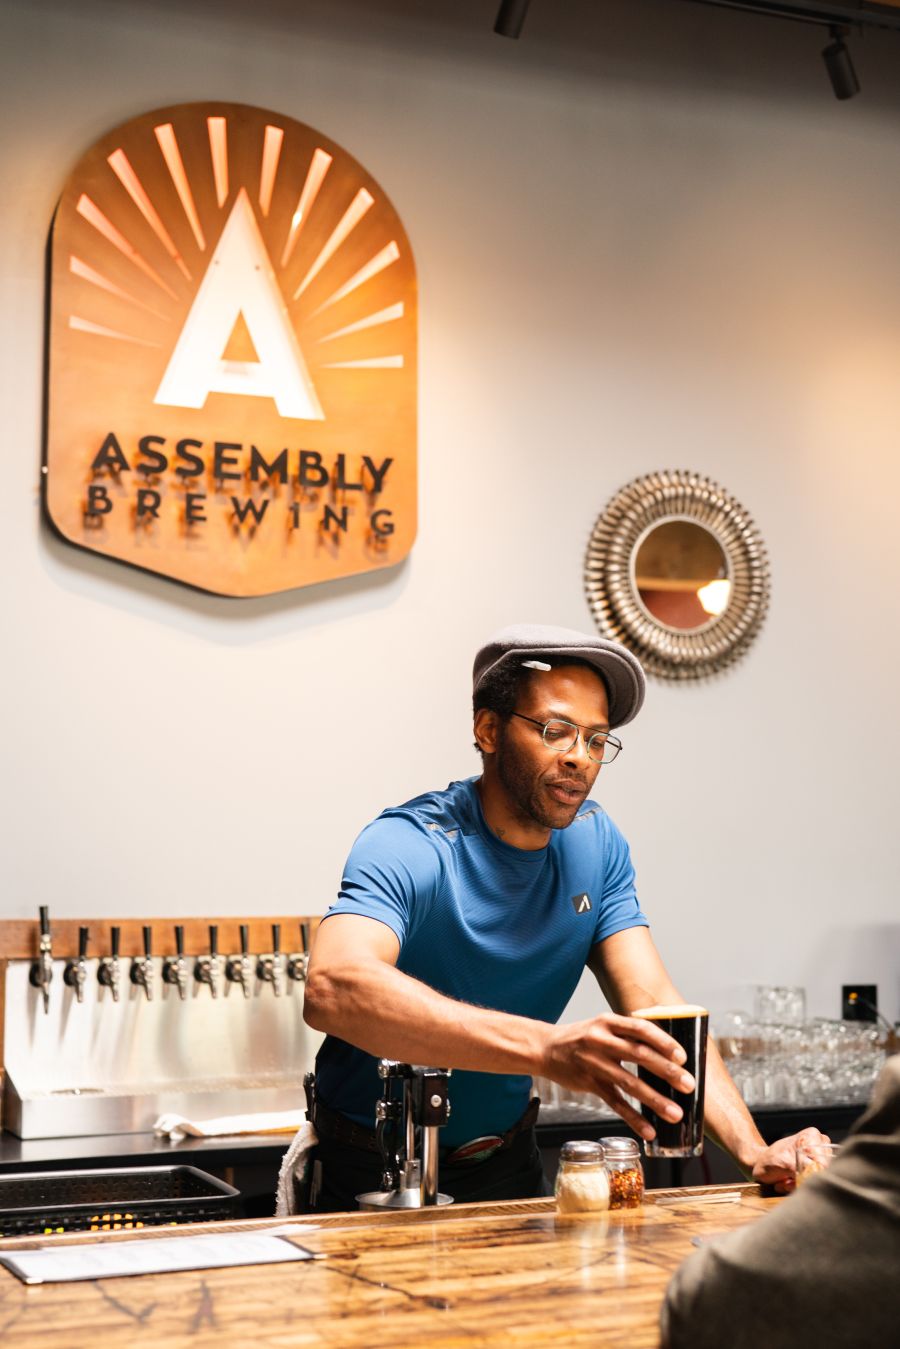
<point>492,1274</point>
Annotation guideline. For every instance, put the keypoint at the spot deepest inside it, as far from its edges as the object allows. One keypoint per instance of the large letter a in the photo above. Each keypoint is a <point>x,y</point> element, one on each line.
<point>239,280</point>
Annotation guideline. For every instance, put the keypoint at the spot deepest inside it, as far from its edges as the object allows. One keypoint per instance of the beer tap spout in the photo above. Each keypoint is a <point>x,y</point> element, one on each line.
<point>75,973</point>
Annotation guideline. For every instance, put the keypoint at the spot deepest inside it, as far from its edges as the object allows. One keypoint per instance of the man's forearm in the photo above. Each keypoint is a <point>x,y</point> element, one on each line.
<point>365,1000</point>
<point>380,1009</point>
<point>728,1121</point>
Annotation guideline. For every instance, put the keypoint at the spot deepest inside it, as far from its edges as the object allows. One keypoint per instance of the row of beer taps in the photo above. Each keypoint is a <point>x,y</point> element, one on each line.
<point>273,967</point>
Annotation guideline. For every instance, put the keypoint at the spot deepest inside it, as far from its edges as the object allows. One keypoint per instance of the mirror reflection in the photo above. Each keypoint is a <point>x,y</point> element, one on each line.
<point>681,575</point>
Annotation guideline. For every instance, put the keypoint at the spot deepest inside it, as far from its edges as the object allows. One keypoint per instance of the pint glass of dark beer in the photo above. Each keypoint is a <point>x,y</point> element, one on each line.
<point>688,1025</point>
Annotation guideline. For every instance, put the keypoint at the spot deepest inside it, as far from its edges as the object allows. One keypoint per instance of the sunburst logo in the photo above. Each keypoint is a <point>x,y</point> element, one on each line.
<point>232,355</point>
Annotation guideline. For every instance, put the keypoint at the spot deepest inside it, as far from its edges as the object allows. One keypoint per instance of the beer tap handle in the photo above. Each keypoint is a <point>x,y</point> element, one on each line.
<point>142,969</point>
<point>214,959</point>
<point>108,970</point>
<point>148,961</point>
<point>276,960</point>
<point>268,967</point>
<point>84,936</point>
<point>246,966</point>
<point>298,961</point>
<point>173,969</point>
<point>115,934</point>
<point>75,971</point>
<point>181,963</point>
<point>206,968</point>
<point>41,972</point>
<point>237,968</point>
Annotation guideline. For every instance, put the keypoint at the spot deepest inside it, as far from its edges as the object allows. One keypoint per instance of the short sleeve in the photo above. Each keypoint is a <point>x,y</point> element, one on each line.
<point>618,908</point>
<point>392,875</point>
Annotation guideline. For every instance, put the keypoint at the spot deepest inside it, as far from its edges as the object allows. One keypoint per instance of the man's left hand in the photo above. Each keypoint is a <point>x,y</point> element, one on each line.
<point>776,1165</point>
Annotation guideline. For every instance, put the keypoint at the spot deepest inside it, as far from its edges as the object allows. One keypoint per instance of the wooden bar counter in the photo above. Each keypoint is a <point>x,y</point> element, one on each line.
<point>476,1274</point>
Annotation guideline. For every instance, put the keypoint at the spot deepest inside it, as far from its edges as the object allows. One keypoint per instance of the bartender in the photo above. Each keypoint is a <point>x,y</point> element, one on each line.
<point>464,921</point>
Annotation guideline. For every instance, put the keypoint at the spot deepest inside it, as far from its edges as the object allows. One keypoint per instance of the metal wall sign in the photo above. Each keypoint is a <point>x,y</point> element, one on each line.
<point>232,371</point>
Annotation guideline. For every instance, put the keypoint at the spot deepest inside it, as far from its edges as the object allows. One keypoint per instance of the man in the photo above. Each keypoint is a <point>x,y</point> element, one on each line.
<point>820,1270</point>
<point>464,922</point>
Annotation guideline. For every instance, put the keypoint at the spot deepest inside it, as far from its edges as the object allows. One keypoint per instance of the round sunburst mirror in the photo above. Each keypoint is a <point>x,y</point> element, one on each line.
<point>676,571</point>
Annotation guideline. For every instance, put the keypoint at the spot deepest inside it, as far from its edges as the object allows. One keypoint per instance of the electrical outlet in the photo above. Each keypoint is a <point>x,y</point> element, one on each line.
<point>859,1002</point>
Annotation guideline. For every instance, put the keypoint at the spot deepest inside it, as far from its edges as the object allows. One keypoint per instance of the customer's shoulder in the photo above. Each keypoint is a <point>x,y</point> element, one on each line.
<point>883,1113</point>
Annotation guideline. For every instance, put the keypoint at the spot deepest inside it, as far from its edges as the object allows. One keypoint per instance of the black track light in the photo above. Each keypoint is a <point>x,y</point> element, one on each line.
<point>510,17</point>
<point>839,66</point>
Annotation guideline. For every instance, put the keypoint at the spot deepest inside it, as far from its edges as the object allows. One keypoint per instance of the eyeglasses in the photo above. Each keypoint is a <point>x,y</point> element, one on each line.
<point>561,736</point>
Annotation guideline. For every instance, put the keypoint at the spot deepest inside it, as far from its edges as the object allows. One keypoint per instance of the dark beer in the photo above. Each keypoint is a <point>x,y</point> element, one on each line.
<point>688,1025</point>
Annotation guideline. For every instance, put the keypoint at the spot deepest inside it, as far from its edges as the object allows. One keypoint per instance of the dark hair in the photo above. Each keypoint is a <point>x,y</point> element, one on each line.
<point>499,691</point>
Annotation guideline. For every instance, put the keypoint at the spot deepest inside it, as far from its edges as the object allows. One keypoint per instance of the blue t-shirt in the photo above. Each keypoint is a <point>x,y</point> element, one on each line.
<point>481,922</point>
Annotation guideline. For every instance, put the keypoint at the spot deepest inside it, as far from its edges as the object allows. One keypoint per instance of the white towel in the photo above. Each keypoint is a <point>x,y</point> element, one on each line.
<point>293,1171</point>
<point>177,1127</point>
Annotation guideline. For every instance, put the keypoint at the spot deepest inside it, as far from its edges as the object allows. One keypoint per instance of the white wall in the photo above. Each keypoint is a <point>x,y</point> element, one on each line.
<point>647,236</point>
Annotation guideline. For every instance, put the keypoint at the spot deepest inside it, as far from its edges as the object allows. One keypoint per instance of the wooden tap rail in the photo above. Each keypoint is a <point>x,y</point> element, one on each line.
<point>20,938</point>
<point>479,1275</point>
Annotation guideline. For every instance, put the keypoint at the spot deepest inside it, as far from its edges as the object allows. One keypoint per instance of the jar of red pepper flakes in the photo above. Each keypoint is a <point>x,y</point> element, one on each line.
<point>626,1175</point>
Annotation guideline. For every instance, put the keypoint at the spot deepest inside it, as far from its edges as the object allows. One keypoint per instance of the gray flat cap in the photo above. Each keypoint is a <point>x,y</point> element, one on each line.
<point>531,641</point>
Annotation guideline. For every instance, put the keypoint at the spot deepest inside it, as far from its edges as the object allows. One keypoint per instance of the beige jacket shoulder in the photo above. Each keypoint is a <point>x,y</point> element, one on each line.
<point>823,1269</point>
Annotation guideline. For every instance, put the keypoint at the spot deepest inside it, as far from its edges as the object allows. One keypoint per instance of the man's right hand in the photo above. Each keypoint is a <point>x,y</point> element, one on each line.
<point>589,1056</point>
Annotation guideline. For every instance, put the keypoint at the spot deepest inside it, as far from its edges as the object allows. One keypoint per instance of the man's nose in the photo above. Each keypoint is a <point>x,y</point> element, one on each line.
<point>576,751</point>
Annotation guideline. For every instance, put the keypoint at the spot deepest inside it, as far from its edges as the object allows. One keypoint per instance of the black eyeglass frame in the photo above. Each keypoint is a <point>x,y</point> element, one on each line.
<point>604,737</point>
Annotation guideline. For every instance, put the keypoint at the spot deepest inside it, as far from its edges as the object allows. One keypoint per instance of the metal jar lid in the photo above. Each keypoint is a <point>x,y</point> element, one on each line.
<point>582,1153</point>
<point>619,1148</point>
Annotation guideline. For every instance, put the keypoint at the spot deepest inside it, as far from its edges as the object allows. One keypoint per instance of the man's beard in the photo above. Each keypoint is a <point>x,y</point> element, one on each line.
<point>523,787</point>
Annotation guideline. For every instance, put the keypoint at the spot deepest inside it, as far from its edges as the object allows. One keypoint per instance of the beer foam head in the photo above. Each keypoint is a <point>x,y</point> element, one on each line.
<point>670,1013</point>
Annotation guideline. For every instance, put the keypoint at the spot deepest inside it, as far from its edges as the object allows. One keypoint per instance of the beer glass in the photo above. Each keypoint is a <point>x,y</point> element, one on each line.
<point>813,1157</point>
<point>688,1025</point>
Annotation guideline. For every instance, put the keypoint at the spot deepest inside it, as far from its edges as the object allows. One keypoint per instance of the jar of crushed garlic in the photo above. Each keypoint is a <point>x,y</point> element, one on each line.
<point>582,1185</point>
<point>626,1177</point>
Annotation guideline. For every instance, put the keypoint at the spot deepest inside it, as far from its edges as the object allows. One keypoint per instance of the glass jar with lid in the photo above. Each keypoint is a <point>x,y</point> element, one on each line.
<point>582,1183</point>
<point>626,1176</point>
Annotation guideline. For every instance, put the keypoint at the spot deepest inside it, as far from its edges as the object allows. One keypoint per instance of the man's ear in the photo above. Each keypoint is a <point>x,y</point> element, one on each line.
<point>486,727</point>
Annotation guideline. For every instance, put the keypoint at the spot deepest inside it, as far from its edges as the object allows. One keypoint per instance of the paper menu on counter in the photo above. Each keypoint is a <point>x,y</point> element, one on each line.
<point>161,1255</point>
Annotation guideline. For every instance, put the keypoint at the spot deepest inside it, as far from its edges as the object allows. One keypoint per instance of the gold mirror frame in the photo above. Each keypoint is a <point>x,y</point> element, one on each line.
<point>609,574</point>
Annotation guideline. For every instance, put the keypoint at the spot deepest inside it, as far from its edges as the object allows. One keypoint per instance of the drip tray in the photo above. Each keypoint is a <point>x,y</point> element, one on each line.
<point>104,1201</point>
